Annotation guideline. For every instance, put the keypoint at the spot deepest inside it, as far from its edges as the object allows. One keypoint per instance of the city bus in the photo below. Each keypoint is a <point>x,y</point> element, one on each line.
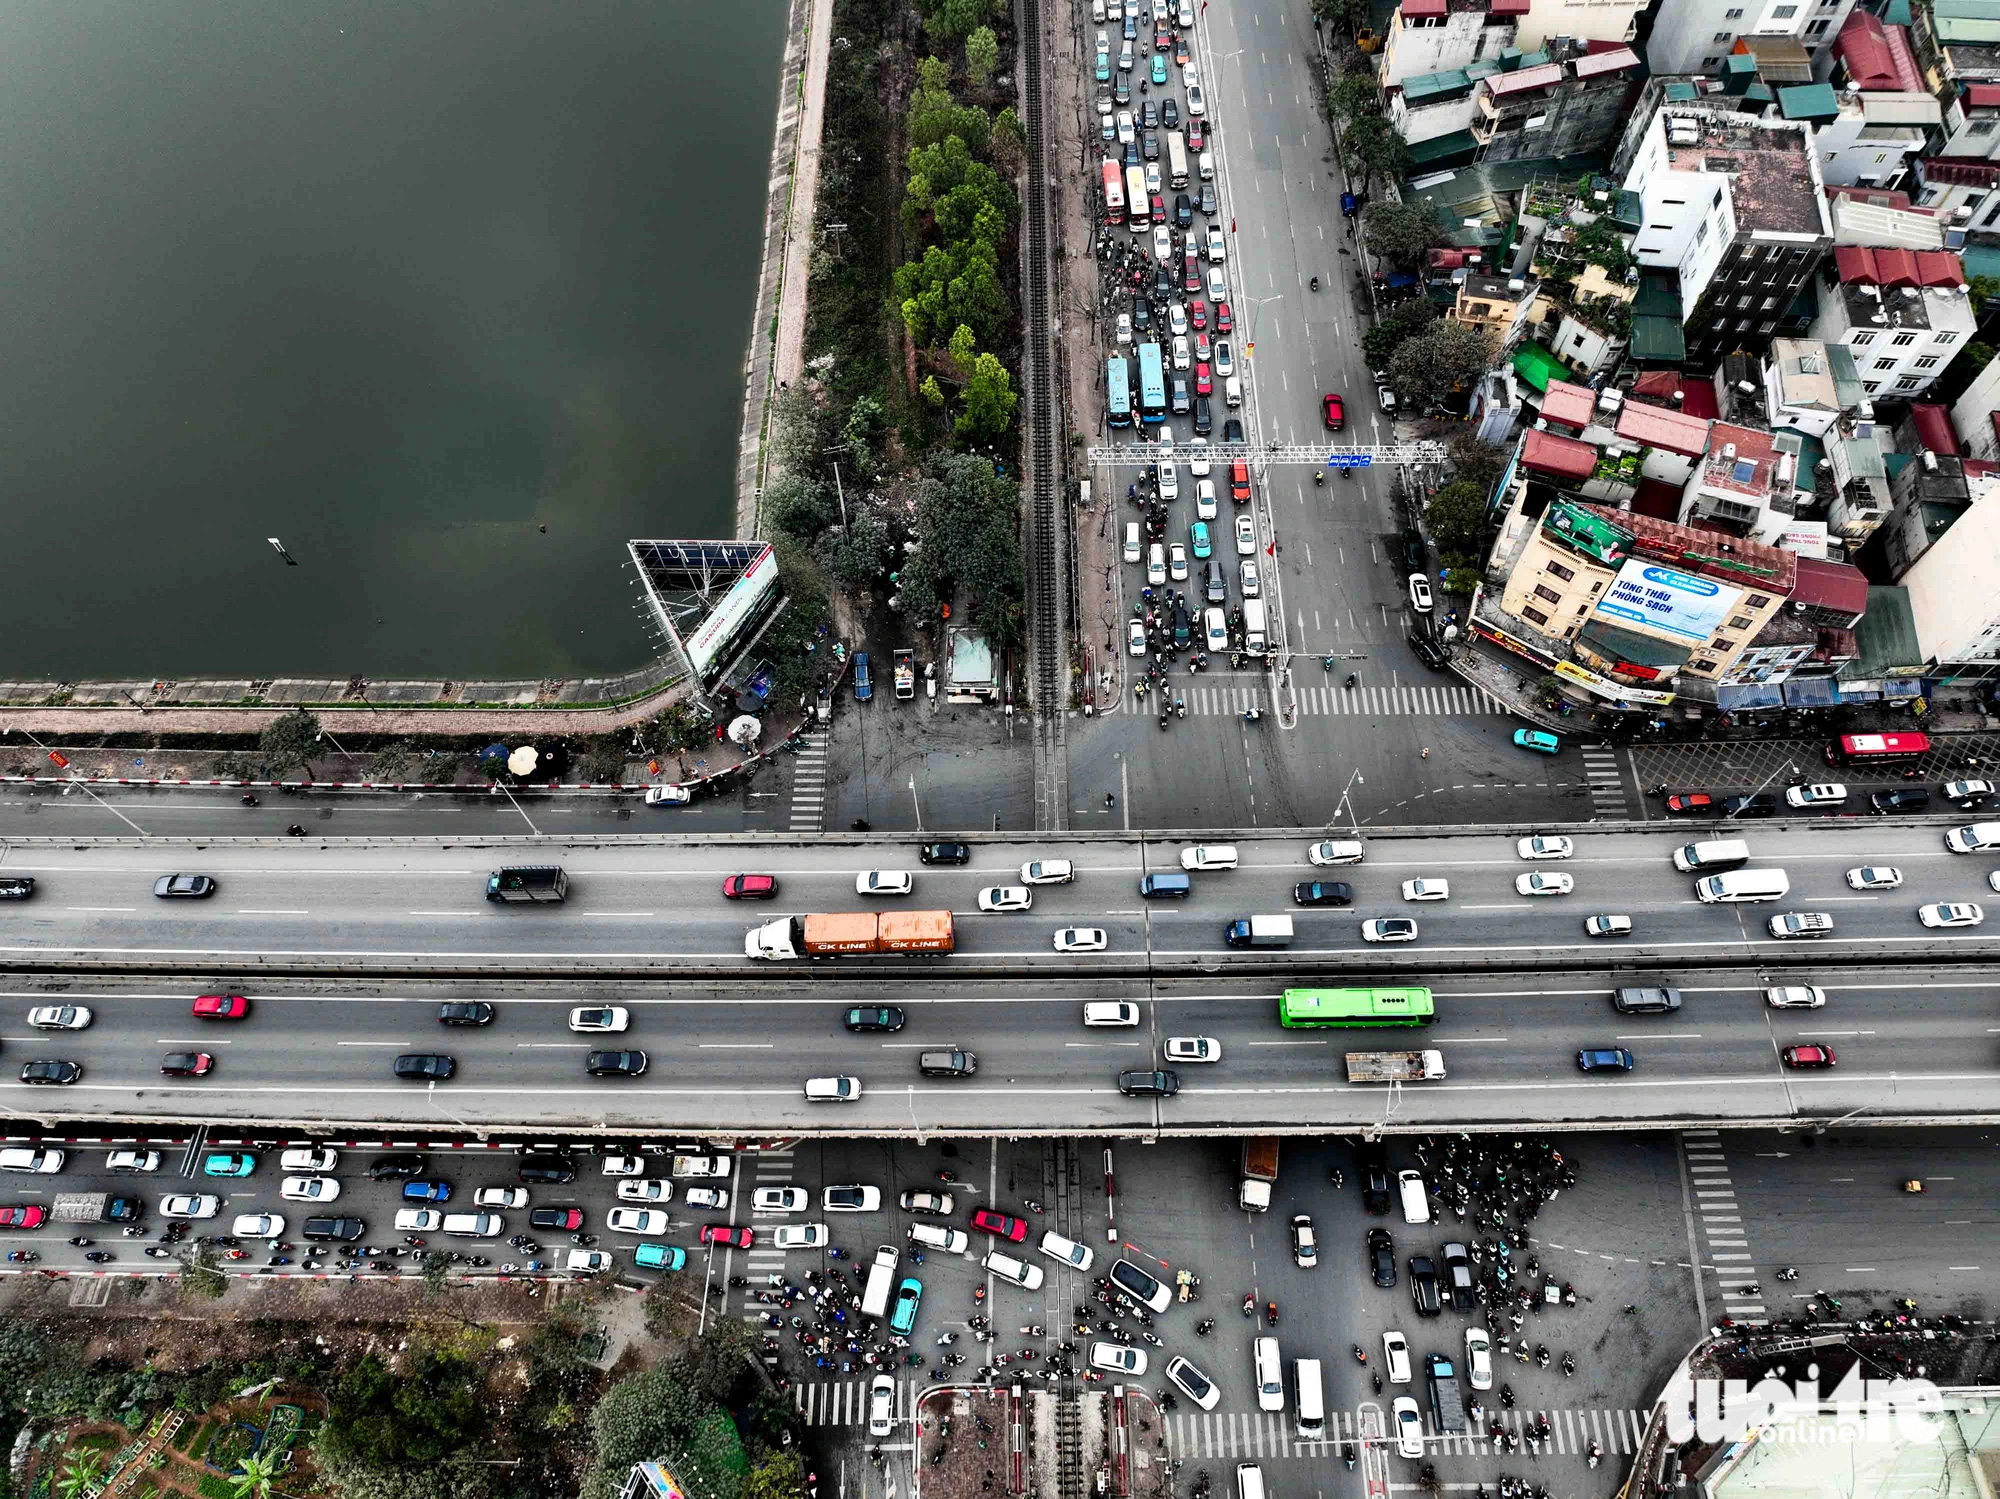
<point>1114,192</point>
<point>1177,172</point>
<point>1152,386</point>
<point>1118,391</point>
<point>1310,1007</point>
<point>1138,213</point>
<point>1877,749</point>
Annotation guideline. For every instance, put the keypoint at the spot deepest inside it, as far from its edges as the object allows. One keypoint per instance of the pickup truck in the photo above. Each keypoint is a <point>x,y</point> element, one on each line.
<point>906,674</point>
<point>1394,1066</point>
<point>715,1166</point>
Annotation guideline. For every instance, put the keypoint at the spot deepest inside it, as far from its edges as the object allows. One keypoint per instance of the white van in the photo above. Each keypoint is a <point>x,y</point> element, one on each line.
<point>1028,1277</point>
<point>1256,631</point>
<point>1716,853</point>
<point>1156,563</point>
<point>1207,166</point>
<point>1310,1392</point>
<point>1217,629</point>
<point>1232,391</point>
<point>1134,548</point>
<point>1110,1012</point>
<point>881,1276</point>
<point>1209,856</point>
<point>1067,1251</point>
<point>1249,1481</point>
<point>475,1225</point>
<point>1270,1374</point>
<point>937,1236</point>
<point>1416,1201</point>
<point>1744,885</point>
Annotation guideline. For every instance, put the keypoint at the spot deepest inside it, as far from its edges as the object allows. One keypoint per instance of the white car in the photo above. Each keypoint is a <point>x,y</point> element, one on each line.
<point>1821,794</point>
<point>1005,898</point>
<point>1305,1243</point>
<point>1389,929</point>
<point>882,1406</point>
<point>1409,1427</point>
<point>1204,499</point>
<point>1420,593</point>
<point>780,1199</point>
<point>1874,877</point>
<point>309,1189</point>
<point>1539,883</point>
<point>258,1226</point>
<point>190,1205</point>
<point>132,1160</point>
<point>832,1089</point>
<point>1127,131</point>
<point>1170,481</point>
<point>1209,856</point>
<point>1047,872</point>
<point>59,1017</point>
<point>1225,358</point>
<point>586,1261</point>
<point>800,1236</point>
<point>1197,105</point>
<point>314,1160</point>
<point>1199,465</point>
<point>1395,1358</point>
<point>1607,926</point>
<point>1951,913</point>
<point>600,1018</point>
<point>1193,1049</point>
<point>1135,638</point>
<point>1163,245</point>
<point>1218,286</point>
<point>1081,939</point>
<point>1183,355</point>
<point>1545,846</point>
<point>636,1221</point>
<point>1177,324</point>
<point>623,1165</point>
<point>1116,1358</point>
<point>884,882</point>
<point>1427,889</point>
<point>1185,14</point>
<point>1795,997</point>
<point>1177,562</point>
<point>1191,74</point>
<point>920,1200</point>
<point>1993,881</point>
<point>1124,327</point>
<point>1194,1384</point>
<point>1217,246</point>
<point>506,1197</point>
<point>1156,563</point>
<point>668,796</point>
<point>418,1220</point>
<point>638,1189</point>
<point>1478,1358</point>
<point>1269,1372</point>
<point>707,1197</point>
<point>851,1199</point>
<point>1246,535</point>
<point>1253,586</point>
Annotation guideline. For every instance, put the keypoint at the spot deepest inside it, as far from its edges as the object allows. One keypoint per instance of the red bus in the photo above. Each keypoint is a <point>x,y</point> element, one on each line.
<point>1114,193</point>
<point>1877,749</point>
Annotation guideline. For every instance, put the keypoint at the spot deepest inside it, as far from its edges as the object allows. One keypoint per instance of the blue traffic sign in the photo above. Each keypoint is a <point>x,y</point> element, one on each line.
<point>1349,460</point>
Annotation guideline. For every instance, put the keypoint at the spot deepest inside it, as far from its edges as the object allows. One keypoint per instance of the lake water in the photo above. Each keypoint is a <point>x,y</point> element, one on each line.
<point>398,283</point>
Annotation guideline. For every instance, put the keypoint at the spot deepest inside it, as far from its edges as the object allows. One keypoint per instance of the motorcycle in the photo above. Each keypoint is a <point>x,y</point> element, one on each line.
<point>1594,1456</point>
<point>1253,715</point>
<point>1319,476</point>
<point>1352,678</point>
<point>1360,1354</point>
<point>1788,1273</point>
<point>99,1257</point>
<point>1250,1305</point>
<point>1347,1453</point>
<point>1913,1185</point>
<point>1204,1327</point>
<point>81,1242</point>
<point>1271,1314</point>
<point>1315,283</point>
<point>1569,1366</point>
<point>154,1251</point>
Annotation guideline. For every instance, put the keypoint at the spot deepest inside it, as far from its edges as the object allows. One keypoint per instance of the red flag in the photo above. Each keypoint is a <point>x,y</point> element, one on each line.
<point>1270,549</point>
<point>61,760</point>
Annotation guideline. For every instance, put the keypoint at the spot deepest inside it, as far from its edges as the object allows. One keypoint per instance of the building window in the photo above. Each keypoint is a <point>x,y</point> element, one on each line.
<point>1903,340</point>
<point>1862,340</point>
<point>1770,304</point>
<point>1871,386</point>
<point>1557,570</point>
<point>1944,338</point>
<point>1928,362</point>
<point>1819,28</point>
<point>1722,644</point>
<point>1720,36</point>
<point>1886,364</point>
<point>1543,591</point>
<point>1710,64</point>
<point>1908,382</point>
<point>1783,12</point>
<point>1534,615</point>
<point>1740,622</point>
<point>1595,589</point>
<point>1758,600</point>
<point>1982,127</point>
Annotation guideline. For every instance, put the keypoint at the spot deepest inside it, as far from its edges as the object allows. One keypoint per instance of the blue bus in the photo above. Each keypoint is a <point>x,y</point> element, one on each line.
<point>1118,386</point>
<point>1152,386</point>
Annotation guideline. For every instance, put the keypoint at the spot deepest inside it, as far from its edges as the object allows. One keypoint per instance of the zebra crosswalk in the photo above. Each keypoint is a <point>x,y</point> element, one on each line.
<point>809,784</point>
<point>1725,1244</point>
<point>1607,782</point>
<point>1258,1434</point>
<point>1418,701</point>
<point>844,1402</point>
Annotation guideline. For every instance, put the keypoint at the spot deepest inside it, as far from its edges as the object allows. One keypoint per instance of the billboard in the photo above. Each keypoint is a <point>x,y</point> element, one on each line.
<point>1666,603</point>
<point>737,608</point>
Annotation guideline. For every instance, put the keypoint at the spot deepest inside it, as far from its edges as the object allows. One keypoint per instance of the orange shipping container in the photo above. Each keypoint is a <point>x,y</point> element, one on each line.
<point>916,931</point>
<point>841,931</point>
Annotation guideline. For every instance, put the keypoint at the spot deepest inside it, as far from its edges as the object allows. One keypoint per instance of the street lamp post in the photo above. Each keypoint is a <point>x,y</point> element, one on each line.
<point>1353,822</point>
<point>1782,769</point>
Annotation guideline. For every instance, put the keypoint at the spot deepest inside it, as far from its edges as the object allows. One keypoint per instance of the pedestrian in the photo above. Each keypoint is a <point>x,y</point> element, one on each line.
<point>1110,800</point>
<point>1426,752</point>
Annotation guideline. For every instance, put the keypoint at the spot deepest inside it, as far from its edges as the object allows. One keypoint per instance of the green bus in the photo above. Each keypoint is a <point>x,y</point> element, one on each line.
<point>1305,1007</point>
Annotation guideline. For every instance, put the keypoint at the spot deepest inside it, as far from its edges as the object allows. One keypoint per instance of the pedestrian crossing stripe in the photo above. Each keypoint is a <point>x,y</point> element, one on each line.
<point>1403,701</point>
<point>844,1402</point>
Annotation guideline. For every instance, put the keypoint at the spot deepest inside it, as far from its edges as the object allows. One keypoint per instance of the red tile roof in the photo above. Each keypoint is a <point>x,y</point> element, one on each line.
<point>1834,586</point>
<point>1541,76</point>
<point>1877,56</point>
<point>1657,427</point>
<point>1572,405</point>
<point>1606,62</point>
<point>1747,447</point>
<point>1422,8</point>
<point>1509,7</point>
<point>1885,267</point>
<point>1563,456</point>
<point>1934,429</point>
<point>1766,569</point>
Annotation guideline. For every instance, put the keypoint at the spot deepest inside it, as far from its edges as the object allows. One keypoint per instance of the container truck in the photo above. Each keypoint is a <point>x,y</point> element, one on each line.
<point>1394,1066</point>
<point>1260,1170</point>
<point>94,1207</point>
<point>850,932</point>
<point>1258,931</point>
<point>1447,1405</point>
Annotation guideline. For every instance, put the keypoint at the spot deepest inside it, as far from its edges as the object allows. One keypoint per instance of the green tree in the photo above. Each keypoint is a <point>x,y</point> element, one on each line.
<point>1009,145</point>
<point>989,402</point>
<point>1440,361</point>
<point>1353,95</point>
<point>288,741</point>
<point>1473,462</point>
<point>1347,14</point>
<point>963,348</point>
<point>659,1411</point>
<point>1373,147</point>
<point>437,1275</point>
<point>433,1409</point>
<point>862,433</point>
<point>454,1478</point>
<point>780,1475</point>
<point>934,115</point>
<point>858,553</point>
<point>199,1275</point>
<point>80,1470</point>
<point>982,56</point>
<point>967,518</point>
<point>951,20</point>
<point>799,506</point>
<point>1400,233</point>
<point>1405,319</point>
<point>932,392</point>
<point>801,431</point>
<point>1456,517</point>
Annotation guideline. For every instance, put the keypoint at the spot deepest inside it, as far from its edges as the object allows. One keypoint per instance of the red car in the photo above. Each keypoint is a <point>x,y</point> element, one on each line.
<point>1807,1056</point>
<point>1163,39</point>
<point>750,887</point>
<point>221,1007</point>
<point>1197,133</point>
<point>1334,411</point>
<point>1191,271</point>
<point>1202,384</point>
<point>1198,314</point>
<point>1691,802</point>
<point>565,1218</point>
<point>1012,1229</point>
<point>1201,347</point>
<point>727,1235</point>
<point>1225,321</point>
<point>22,1215</point>
<point>187,1064</point>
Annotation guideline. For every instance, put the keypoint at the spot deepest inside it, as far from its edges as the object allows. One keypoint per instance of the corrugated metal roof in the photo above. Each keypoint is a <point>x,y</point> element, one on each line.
<point>1657,427</point>
<point>1538,366</point>
<point>1552,453</point>
<point>1834,586</point>
<point>1934,429</point>
<point>1809,101</point>
<point>1573,405</point>
<point>1545,76</point>
<point>1886,636</point>
<point>1597,63</point>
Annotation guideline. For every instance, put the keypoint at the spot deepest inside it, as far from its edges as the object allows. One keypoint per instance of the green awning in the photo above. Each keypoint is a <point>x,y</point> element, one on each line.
<point>1442,149</point>
<point>1658,340</point>
<point>1538,366</point>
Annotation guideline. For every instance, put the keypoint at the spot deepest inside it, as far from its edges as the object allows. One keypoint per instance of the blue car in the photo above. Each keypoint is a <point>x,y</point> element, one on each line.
<point>234,1163</point>
<point>427,1191</point>
<point>1535,739</point>
<point>1605,1059</point>
<point>864,686</point>
<point>1159,70</point>
<point>909,1295</point>
<point>659,1257</point>
<point>1198,538</point>
<point>1103,65</point>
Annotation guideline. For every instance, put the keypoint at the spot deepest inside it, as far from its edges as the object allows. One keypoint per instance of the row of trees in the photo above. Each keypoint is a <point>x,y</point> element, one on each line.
<point>1369,143</point>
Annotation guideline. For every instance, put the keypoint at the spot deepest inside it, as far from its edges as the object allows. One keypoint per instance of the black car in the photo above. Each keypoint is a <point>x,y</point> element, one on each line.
<point>1149,145</point>
<point>1761,804</point>
<point>615,1063</point>
<point>1164,1084</point>
<point>563,1218</point>
<point>1382,1257</point>
<point>1142,318</point>
<point>390,1168</point>
<point>1415,558</point>
<point>425,1066</point>
<point>545,1170</point>
<point>17,887</point>
<point>874,1018</point>
<point>468,1012</point>
<point>187,1063</point>
<point>1149,116</point>
<point>1371,1164</point>
<point>1204,423</point>
<point>1459,1290</point>
<point>52,1072</point>
<point>344,1229</point>
<point>1902,799</point>
<point>1232,430</point>
<point>1170,113</point>
<point>1163,284</point>
<point>1183,211</point>
<point>1424,1286</point>
<point>1322,893</point>
<point>1131,152</point>
<point>1429,650</point>
<point>183,887</point>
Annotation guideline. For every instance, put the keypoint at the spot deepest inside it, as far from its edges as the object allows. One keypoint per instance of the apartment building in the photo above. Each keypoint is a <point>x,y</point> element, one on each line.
<point>1902,313</point>
<point>1694,36</point>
